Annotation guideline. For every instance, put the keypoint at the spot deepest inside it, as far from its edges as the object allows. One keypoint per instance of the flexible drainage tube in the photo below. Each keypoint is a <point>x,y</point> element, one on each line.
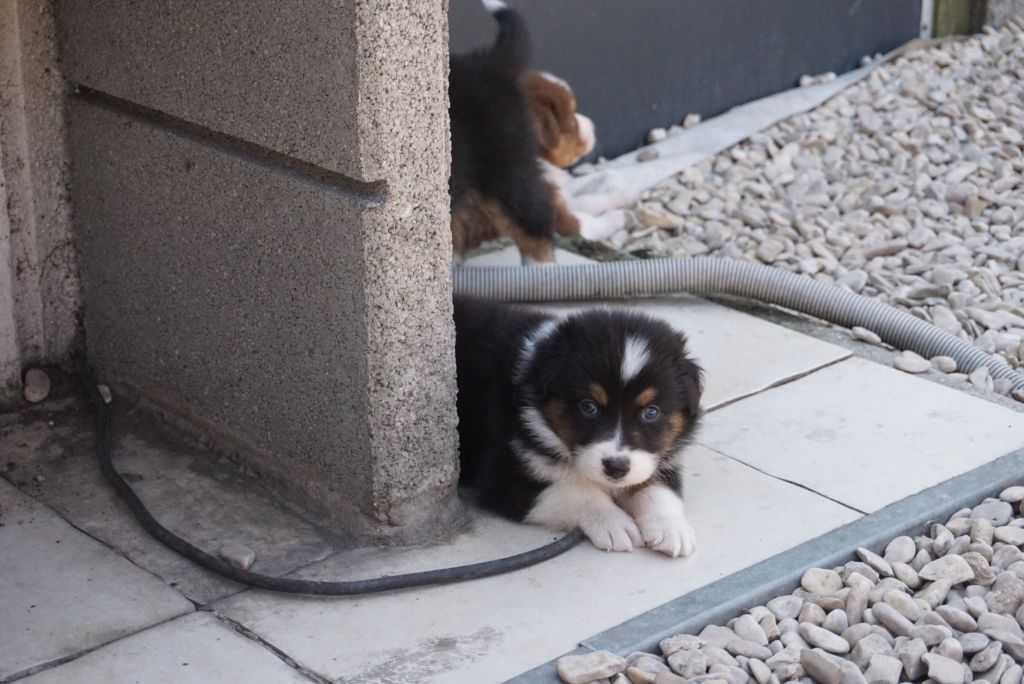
<point>714,276</point>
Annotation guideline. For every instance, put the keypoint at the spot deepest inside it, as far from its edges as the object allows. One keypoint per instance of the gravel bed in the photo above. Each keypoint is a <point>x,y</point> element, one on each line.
<point>946,607</point>
<point>907,187</point>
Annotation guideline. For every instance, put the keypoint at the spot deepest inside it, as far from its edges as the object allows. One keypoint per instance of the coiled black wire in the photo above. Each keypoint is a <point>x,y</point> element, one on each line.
<point>461,573</point>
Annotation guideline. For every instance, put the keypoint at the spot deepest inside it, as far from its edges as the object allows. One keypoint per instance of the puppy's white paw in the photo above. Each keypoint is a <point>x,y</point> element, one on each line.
<point>671,535</point>
<point>612,530</point>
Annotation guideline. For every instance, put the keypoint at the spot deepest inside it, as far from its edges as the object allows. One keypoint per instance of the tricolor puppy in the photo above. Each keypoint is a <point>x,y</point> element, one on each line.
<point>565,136</point>
<point>577,421</point>
<point>497,184</point>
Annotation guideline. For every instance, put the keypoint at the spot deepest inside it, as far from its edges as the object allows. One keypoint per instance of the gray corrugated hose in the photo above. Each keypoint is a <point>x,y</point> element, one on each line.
<point>713,276</point>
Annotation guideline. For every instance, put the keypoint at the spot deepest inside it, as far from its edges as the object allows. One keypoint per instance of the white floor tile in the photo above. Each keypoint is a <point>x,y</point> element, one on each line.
<point>61,592</point>
<point>864,434</point>
<point>489,630</point>
<point>196,648</point>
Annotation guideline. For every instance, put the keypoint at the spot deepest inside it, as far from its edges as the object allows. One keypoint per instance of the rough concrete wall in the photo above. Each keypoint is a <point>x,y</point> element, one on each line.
<point>277,269</point>
<point>403,61</point>
<point>1001,10</point>
<point>32,139</point>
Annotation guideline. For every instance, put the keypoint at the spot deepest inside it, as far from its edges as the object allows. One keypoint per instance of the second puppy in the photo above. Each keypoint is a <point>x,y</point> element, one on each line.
<point>577,421</point>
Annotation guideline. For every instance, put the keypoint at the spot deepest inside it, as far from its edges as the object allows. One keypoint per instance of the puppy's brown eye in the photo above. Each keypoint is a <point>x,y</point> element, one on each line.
<point>588,407</point>
<point>650,413</point>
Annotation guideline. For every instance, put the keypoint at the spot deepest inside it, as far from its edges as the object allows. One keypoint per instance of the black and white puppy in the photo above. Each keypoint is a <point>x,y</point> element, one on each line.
<point>577,421</point>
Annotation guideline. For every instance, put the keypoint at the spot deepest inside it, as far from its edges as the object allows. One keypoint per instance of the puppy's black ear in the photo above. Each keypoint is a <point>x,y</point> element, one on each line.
<point>692,377</point>
<point>693,385</point>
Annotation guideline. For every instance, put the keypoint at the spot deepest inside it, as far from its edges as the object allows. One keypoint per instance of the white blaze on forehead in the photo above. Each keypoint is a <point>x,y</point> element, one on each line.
<point>530,344</point>
<point>635,356</point>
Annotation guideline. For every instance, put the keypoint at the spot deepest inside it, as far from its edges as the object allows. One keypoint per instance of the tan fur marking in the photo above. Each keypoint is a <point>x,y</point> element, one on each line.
<point>646,397</point>
<point>478,219</point>
<point>554,414</point>
<point>676,423</point>
<point>535,248</point>
<point>600,396</point>
<point>554,114</point>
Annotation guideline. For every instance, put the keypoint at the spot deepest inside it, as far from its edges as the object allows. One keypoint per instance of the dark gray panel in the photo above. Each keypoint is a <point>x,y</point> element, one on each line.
<point>637,64</point>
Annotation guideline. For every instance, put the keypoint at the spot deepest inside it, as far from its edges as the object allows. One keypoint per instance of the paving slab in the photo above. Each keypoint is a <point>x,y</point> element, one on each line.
<point>195,648</point>
<point>491,629</point>
<point>62,592</point>
<point>741,354</point>
<point>863,434</point>
<point>49,453</point>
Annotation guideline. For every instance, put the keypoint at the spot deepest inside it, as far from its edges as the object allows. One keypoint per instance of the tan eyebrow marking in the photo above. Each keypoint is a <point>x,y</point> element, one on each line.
<point>599,394</point>
<point>646,397</point>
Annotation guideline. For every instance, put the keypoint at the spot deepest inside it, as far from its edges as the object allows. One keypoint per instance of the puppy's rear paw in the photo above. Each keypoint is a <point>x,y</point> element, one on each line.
<point>612,530</point>
<point>671,535</point>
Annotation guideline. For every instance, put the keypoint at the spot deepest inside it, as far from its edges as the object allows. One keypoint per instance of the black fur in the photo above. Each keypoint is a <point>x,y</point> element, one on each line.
<point>585,349</point>
<point>494,142</point>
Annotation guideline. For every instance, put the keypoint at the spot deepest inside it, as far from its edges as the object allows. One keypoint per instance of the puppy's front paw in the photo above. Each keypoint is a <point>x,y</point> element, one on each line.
<point>612,530</point>
<point>671,535</point>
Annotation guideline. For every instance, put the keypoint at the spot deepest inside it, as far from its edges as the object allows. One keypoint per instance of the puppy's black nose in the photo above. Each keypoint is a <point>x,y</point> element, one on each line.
<point>615,467</point>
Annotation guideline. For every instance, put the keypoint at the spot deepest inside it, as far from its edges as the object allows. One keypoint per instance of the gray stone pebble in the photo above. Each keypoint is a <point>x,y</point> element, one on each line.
<point>824,639</point>
<point>952,568</point>
<point>582,669</point>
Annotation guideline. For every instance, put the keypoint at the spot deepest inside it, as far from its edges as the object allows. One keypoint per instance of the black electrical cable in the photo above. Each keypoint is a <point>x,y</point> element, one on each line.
<point>289,585</point>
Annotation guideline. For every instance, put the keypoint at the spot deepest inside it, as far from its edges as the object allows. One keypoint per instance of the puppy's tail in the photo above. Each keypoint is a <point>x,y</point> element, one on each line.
<point>513,47</point>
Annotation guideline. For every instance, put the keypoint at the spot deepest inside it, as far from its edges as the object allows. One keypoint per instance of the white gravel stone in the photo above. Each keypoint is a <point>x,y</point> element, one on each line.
<point>909,362</point>
<point>952,568</point>
<point>238,555</point>
<point>865,335</point>
<point>36,385</point>
<point>747,628</point>
<point>821,581</point>
<point>679,642</point>
<point>581,669</point>
<point>883,669</point>
<point>822,638</point>
<point>879,564</point>
<point>688,663</point>
<point>943,670</point>
<point>1009,534</point>
<point>944,364</point>
<point>1012,495</point>
<point>900,550</point>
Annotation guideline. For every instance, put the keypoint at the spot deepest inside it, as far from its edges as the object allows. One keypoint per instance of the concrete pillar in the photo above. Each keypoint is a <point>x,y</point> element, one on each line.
<point>39,301</point>
<point>261,207</point>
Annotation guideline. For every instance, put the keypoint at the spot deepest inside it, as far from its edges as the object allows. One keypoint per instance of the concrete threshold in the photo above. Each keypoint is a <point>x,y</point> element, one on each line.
<point>720,601</point>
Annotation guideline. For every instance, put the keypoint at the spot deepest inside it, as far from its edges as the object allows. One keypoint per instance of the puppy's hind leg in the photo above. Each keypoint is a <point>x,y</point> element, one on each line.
<point>527,202</point>
<point>567,504</point>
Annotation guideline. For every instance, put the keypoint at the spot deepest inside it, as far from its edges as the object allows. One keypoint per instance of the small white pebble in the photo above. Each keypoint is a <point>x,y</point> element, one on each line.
<point>865,335</point>
<point>37,385</point>
<point>909,362</point>
<point>238,555</point>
